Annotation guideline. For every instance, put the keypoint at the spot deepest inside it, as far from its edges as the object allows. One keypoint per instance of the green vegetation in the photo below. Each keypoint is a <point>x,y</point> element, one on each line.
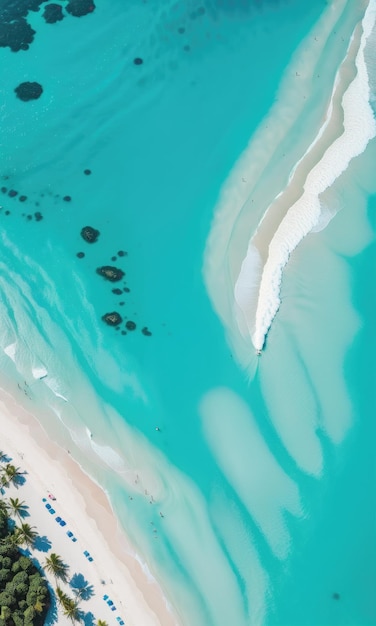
<point>56,566</point>
<point>10,474</point>
<point>24,596</point>
<point>69,605</point>
<point>17,507</point>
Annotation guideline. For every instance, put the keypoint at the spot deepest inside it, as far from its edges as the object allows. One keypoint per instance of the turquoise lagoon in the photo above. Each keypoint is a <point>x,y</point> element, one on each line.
<point>264,476</point>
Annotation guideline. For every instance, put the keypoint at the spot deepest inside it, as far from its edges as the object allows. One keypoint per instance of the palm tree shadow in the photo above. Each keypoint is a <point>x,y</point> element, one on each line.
<point>19,480</point>
<point>42,544</point>
<point>87,618</point>
<point>81,586</point>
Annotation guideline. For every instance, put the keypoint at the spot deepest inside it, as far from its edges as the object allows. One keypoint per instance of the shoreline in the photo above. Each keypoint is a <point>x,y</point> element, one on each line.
<point>51,468</point>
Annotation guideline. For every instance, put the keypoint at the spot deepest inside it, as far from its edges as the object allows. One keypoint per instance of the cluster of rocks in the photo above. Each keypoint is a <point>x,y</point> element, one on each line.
<point>90,235</point>
<point>29,92</point>
<point>113,274</point>
<point>13,193</point>
<point>15,31</point>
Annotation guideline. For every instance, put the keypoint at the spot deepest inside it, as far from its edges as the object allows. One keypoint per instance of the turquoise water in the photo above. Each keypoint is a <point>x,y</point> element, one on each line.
<point>160,138</point>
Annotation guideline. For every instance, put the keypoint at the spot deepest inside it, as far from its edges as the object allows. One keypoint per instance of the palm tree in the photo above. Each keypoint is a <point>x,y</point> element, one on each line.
<point>17,507</point>
<point>68,605</point>
<point>101,622</point>
<point>15,539</point>
<point>71,611</point>
<point>61,596</point>
<point>3,456</point>
<point>56,566</point>
<point>10,473</point>
<point>26,533</point>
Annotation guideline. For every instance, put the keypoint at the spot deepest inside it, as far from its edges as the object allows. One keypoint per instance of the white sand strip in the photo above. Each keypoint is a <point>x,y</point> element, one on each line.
<point>250,278</point>
<point>243,273</point>
<point>359,128</point>
<point>85,509</point>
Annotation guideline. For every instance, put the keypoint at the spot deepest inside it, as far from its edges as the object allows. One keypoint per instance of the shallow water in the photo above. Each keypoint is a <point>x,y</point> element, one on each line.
<point>262,471</point>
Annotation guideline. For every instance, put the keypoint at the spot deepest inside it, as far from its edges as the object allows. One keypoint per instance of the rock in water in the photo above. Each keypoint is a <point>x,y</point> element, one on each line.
<point>78,8</point>
<point>53,13</point>
<point>15,32</point>
<point>90,234</point>
<point>112,319</point>
<point>29,91</point>
<point>110,273</point>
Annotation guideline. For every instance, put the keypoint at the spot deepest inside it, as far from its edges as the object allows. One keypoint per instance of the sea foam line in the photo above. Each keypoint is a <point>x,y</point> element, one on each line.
<point>256,179</point>
<point>359,128</point>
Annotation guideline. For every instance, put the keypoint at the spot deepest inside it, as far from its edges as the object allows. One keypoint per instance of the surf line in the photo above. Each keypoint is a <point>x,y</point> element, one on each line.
<point>357,129</point>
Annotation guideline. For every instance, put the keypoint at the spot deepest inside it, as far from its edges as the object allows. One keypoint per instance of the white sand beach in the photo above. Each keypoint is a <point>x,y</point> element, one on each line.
<point>113,570</point>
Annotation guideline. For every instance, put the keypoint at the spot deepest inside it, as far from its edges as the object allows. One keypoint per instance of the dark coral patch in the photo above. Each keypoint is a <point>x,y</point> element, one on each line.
<point>130,325</point>
<point>29,91</point>
<point>113,258</point>
<point>87,172</point>
<point>145,331</point>
<point>15,32</point>
<point>53,13</point>
<point>112,319</point>
<point>38,216</point>
<point>80,255</point>
<point>90,234</point>
<point>138,61</point>
<point>12,193</point>
<point>4,189</point>
<point>336,596</point>
<point>79,8</point>
<point>122,253</point>
<point>67,198</point>
<point>110,273</point>
<point>22,198</point>
<point>7,212</point>
<point>117,291</point>
<point>126,289</point>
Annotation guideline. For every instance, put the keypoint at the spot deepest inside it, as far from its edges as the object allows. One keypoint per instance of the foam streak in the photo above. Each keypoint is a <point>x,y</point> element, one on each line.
<point>359,128</point>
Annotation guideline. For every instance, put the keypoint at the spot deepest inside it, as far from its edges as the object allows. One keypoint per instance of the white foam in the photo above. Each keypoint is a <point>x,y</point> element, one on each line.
<point>53,384</point>
<point>11,351</point>
<point>304,215</point>
<point>258,177</point>
<point>39,372</point>
<point>107,454</point>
